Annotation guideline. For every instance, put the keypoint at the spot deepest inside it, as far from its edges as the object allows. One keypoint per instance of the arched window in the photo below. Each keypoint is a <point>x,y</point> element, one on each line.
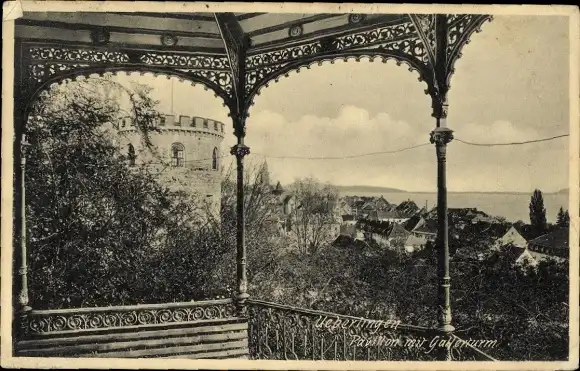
<point>131,155</point>
<point>214,163</point>
<point>177,155</point>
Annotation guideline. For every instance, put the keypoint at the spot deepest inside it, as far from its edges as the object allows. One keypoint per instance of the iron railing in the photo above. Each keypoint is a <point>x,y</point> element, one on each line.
<point>280,332</point>
<point>133,316</point>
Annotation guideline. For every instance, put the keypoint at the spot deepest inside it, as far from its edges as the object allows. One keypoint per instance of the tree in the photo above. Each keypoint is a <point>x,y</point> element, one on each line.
<point>102,232</point>
<point>315,216</point>
<point>261,212</point>
<point>563,219</point>
<point>538,212</point>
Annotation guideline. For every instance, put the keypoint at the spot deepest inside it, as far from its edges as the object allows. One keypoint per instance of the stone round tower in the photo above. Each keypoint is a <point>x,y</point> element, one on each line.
<point>185,155</point>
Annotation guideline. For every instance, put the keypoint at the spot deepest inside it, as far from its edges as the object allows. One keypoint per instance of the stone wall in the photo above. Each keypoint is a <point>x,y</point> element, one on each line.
<point>197,177</point>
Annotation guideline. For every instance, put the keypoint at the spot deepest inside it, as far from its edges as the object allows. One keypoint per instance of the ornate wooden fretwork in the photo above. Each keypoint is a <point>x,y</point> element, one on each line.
<point>42,322</point>
<point>238,75</point>
<point>44,64</point>
<point>236,45</point>
<point>399,42</point>
<point>459,31</point>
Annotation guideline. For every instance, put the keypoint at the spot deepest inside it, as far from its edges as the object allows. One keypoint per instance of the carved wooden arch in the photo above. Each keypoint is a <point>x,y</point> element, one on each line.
<point>255,85</point>
<point>101,71</point>
<point>461,29</point>
<point>36,72</point>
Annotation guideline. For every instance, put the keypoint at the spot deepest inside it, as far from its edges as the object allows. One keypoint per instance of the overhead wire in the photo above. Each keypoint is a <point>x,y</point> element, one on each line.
<point>370,153</point>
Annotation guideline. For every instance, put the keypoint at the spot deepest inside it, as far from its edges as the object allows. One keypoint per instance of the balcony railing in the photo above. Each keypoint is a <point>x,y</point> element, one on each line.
<point>279,332</point>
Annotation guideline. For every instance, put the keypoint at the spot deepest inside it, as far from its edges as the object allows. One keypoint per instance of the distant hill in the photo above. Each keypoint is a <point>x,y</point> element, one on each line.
<point>367,189</point>
<point>563,191</point>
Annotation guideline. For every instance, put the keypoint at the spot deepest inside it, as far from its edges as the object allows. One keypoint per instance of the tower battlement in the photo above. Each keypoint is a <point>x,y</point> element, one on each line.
<point>184,150</point>
<point>180,123</point>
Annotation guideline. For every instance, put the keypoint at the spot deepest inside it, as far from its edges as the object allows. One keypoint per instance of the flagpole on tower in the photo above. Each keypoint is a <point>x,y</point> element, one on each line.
<point>172,89</point>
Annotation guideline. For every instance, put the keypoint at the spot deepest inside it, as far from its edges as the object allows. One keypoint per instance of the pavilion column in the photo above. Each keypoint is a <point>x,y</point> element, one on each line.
<point>22,256</point>
<point>441,136</point>
<point>240,150</point>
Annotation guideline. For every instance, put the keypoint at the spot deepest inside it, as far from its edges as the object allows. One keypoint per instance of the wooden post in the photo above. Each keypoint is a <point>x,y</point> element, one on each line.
<point>23,269</point>
<point>441,136</point>
<point>240,150</point>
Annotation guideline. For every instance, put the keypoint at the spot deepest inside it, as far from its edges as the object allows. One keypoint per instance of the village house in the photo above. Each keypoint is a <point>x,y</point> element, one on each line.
<point>425,228</point>
<point>553,245</point>
<point>348,219</point>
<point>361,207</point>
<point>285,217</point>
<point>414,243</point>
<point>519,256</point>
<point>393,216</point>
<point>514,236</point>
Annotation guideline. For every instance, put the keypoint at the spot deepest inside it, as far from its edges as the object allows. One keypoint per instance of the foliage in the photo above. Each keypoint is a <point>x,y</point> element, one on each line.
<point>101,232</point>
<point>315,216</point>
<point>261,207</point>
<point>563,219</point>
<point>538,212</point>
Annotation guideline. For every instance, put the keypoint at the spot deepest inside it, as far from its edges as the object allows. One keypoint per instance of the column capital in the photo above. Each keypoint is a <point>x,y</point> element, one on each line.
<point>240,150</point>
<point>441,136</point>
<point>23,147</point>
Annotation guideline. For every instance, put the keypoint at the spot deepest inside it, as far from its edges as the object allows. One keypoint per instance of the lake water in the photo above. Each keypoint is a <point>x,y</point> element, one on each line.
<point>513,207</point>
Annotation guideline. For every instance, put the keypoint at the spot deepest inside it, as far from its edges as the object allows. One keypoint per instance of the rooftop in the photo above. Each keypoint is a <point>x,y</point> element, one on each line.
<point>557,239</point>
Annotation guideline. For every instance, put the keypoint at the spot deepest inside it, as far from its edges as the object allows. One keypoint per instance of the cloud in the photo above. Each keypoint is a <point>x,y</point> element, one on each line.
<point>354,131</point>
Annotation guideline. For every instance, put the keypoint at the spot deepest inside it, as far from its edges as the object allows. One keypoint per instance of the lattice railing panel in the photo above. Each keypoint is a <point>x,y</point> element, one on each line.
<point>62,320</point>
<point>279,332</point>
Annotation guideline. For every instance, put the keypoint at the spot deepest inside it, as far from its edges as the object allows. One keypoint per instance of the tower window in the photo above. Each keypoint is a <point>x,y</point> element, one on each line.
<point>177,155</point>
<point>215,126</point>
<point>162,121</point>
<point>205,124</point>
<point>131,155</point>
<point>214,163</point>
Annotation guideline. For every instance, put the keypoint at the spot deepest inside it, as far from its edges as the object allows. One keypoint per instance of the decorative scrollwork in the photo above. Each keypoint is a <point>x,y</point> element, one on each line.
<point>296,31</point>
<point>41,72</point>
<point>185,61</point>
<point>69,320</point>
<point>240,150</point>
<point>77,55</point>
<point>356,18</point>
<point>460,29</point>
<point>399,38</point>
<point>426,23</point>
<point>456,28</point>
<point>168,40</point>
<point>286,333</point>
<point>47,63</point>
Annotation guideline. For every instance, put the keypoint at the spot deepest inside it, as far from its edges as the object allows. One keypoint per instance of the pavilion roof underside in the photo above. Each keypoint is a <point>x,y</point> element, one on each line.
<point>195,32</point>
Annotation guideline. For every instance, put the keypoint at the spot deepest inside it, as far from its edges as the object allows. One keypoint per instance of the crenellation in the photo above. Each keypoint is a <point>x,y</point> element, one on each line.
<point>184,154</point>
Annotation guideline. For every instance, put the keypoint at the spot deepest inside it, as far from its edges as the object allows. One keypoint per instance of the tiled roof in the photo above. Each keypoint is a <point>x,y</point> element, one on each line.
<point>555,240</point>
<point>428,226</point>
<point>407,207</point>
<point>392,215</point>
<point>398,230</point>
<point>525,231</point>
<point>412,222</point>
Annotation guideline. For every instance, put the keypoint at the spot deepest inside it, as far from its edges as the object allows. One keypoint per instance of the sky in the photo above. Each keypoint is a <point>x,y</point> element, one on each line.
<point>511,84</point>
